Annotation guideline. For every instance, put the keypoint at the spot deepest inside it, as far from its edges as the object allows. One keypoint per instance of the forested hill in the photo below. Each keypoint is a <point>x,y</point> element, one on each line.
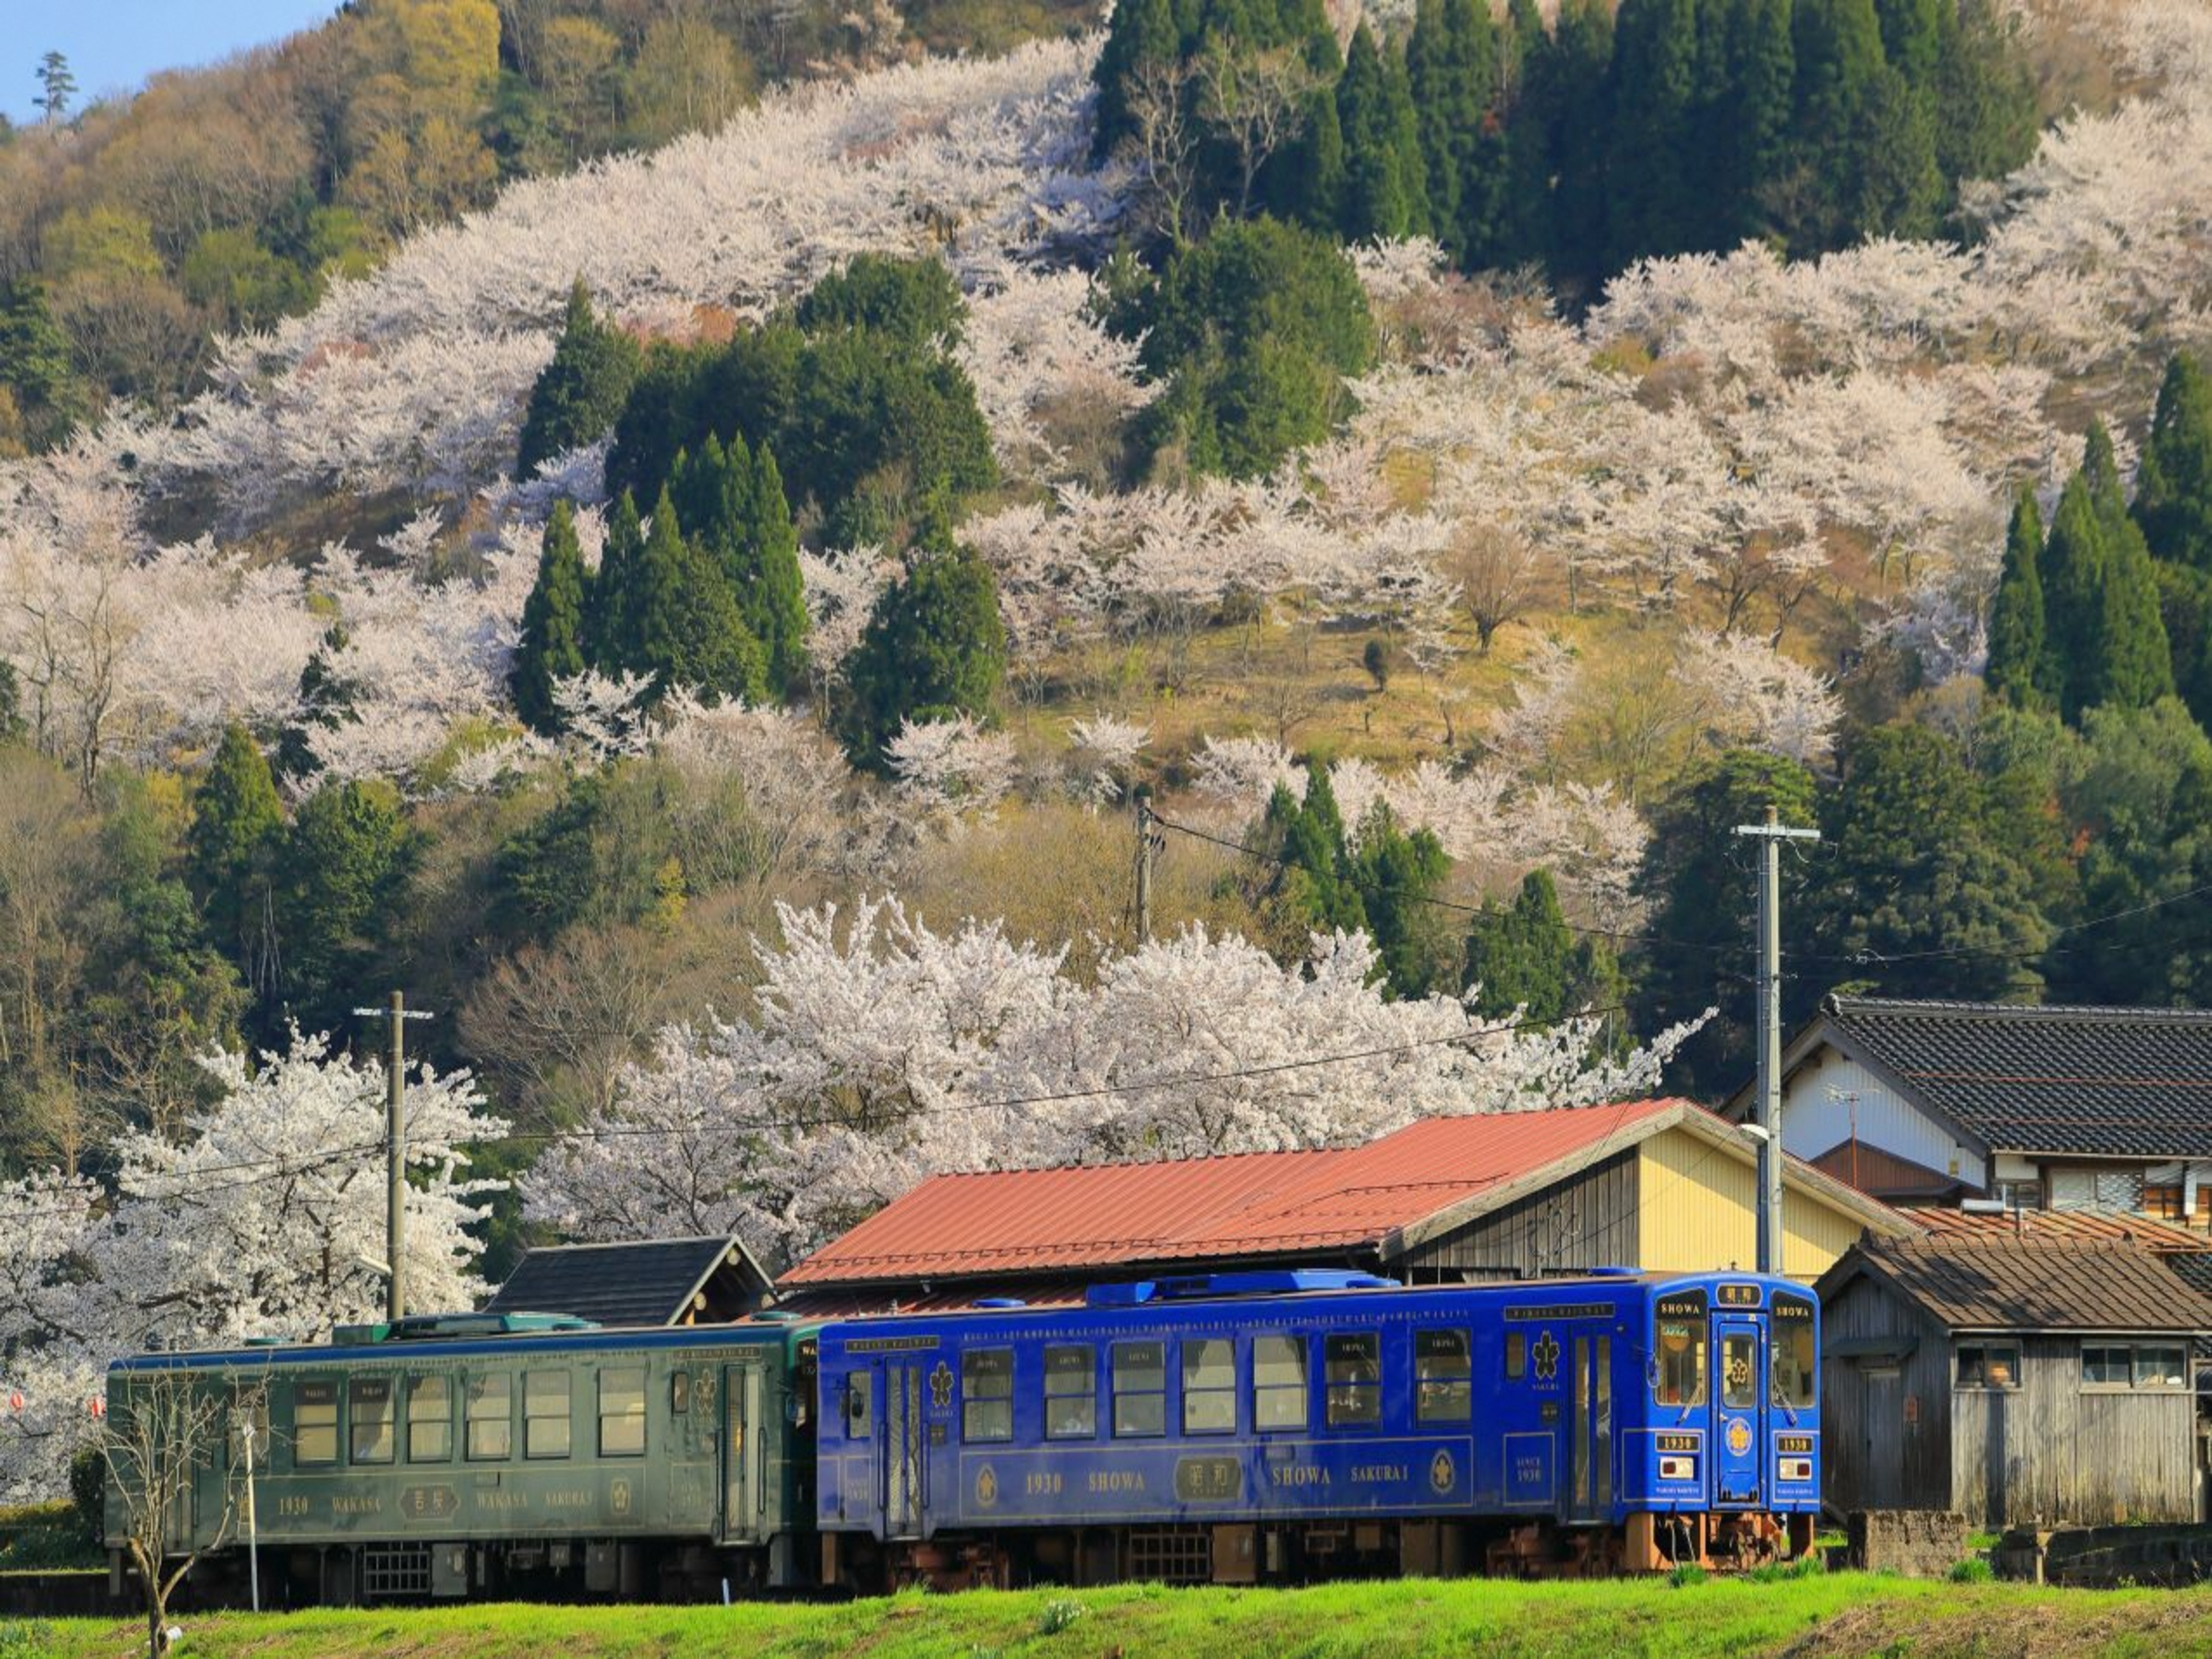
<point>695,620</point>
<point>136,231</point>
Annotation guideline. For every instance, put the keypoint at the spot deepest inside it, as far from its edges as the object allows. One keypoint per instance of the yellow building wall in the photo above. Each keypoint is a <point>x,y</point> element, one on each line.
<point>1697,1210</point>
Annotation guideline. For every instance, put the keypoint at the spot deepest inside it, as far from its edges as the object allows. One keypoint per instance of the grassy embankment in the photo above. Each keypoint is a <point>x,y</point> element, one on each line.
<point>1811,1617</point>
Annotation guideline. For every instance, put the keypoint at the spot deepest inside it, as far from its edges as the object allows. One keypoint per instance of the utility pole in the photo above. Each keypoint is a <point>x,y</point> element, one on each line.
<point>1770,834</point>
<point>395,1153</point>
<point>1147,843</point>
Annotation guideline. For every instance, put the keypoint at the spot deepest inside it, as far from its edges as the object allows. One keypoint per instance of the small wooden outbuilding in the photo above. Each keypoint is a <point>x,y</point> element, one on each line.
<point>2016,1382</point>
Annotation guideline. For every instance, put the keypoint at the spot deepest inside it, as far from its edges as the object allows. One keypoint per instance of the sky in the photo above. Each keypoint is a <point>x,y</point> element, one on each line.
<point>113,45</point>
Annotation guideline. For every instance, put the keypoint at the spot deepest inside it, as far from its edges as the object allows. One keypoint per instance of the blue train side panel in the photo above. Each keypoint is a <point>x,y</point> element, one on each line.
<point>1577,1402</point>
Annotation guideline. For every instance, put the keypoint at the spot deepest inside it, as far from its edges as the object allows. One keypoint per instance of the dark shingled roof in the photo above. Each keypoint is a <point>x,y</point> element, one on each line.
<point>2024,1285</point>
<point>651,1282</point>
<point>2102,1082</point>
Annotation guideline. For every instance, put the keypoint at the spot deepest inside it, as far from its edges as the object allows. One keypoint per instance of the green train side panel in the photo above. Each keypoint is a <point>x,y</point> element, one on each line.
<point>705,1475</point>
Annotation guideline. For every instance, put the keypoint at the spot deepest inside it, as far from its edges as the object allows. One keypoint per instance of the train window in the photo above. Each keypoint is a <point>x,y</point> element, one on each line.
<point>546,1414</point>
<point>1794,1372</point>
<point>1141,1389</point>
<point>315,1424</point>
<point>369,1414</point>
<point>679,1393</point>
<point>1682,1369</point>
<point>860,1388</point>
<point>1071,1392</point>
<point>1994,1365</point>
<point>1516,1355</point>
<point>1209,1385</point>
<point>491,1422</point>
<point>622,1412</point>
<point>1279,1382</point>
<point>1354,1376</point>
<point>987,1394</point>
<point>1739,1370</point>
<point>430,1419</point>
<point>1443,1377</point>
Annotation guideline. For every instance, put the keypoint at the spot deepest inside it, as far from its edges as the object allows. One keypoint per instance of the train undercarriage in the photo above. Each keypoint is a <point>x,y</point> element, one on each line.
<point>1311,1551</point>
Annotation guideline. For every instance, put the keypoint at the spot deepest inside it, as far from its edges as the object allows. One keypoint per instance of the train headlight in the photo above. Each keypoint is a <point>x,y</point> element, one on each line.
<point>1678,1468</point>
<point>1796,1468</point>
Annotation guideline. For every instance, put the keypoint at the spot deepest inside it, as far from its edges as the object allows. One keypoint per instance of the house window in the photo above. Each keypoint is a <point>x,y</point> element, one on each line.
<point>1141,1389</point>
<point>1443,1377</point>
<point>370,1416</point>
<point>1279,1382</point>
<point>987,1394</point>
<point>2163,1203</point>
<point>2096,1188</point>
<point>2161,1367</point>
<point>1355,1379</point>
<point>1071,1392</point>
<point>622,1412</point>
<point>2019,1194</point>
<point>315,1424</point>
<point>1989,1364</point>
<point>430,1419</point>
<point>545,1414</point>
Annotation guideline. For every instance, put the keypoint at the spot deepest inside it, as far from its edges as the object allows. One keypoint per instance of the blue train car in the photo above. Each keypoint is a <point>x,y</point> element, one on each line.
<point>1246,1427</point>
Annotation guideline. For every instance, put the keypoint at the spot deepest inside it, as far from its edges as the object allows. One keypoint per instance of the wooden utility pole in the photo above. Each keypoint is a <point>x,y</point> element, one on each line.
<point>395,1153</point>
<point>1145,842</point>
<point>1770,834</point>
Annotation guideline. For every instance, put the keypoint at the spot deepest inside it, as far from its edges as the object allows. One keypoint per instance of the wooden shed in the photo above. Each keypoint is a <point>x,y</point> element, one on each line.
<point>2014,1381</point>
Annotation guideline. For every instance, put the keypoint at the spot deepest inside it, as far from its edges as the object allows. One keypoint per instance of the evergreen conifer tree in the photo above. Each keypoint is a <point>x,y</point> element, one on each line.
<point>1315,886</point>
<point>1406,144</point>
<point>1521,955</point>
<point>552,644</point>
<point>1652,208</point>
<point>1373,203</point>
<point>1447,105</point>
<point>1765,74</point>
<point>1396,876</point>
<point>2019,668</point>
<point>1142,32</point>
<point>580,392</point>
<point>934,647</point>
<point>2132,665</point>
<point>230,851</point>
<point>2073,594</point>
<point>683,622</point>
<point>774,602</point>
<point>2174,490</point>
<point>1838,47</point>
<point>609,603</point>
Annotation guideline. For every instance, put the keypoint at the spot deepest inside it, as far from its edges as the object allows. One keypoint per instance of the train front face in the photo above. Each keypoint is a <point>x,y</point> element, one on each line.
<point>1734,1412</point>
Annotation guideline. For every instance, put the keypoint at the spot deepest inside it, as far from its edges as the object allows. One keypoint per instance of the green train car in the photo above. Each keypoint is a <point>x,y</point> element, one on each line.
<point>496,1455</point>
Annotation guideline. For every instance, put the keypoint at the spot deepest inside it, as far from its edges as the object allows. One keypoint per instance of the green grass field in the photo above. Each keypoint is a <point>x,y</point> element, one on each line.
<point>1839,1615</point>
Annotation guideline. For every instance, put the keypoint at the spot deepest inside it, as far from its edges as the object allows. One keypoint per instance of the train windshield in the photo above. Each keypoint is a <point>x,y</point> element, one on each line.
<point>1795,1367</point>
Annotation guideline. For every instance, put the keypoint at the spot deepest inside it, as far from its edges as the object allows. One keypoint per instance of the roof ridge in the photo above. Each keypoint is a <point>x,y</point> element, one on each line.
<point>2087,1012</point>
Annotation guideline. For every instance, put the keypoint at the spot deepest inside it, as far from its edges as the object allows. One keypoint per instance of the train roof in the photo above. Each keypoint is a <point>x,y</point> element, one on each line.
<point>448,1336</point>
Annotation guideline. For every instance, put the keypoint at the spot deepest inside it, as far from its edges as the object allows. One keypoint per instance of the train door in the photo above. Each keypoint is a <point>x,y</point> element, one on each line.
<point>1590,1430</point>
<point>744,1466</point>
<point>1739,1413</point>
<point>899,1474</point>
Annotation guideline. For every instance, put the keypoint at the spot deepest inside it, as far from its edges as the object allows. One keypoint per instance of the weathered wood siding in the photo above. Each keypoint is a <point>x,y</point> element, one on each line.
<point>1879,1451</point>
<point>2051,1451</point>
<point>1586,1221</point>
<point>1700,1212</point>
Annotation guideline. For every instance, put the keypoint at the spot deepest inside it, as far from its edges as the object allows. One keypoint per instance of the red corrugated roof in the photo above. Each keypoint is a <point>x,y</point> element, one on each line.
<point>1274,1203</point>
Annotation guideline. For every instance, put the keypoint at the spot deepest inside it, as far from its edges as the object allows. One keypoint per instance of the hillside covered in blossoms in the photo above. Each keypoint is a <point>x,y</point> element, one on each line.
<point>699,621</point>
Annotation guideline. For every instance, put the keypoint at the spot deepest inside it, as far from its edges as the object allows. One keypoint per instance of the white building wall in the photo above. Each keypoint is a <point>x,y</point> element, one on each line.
<point>1821,1102</point>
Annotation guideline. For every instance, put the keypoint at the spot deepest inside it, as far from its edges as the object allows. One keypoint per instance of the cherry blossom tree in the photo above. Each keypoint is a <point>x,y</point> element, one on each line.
<point>266,1216</point>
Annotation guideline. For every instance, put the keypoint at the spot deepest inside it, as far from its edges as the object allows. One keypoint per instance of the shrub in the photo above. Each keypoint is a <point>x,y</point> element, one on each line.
<point>1972,1570</point>
<point>1059,1614</point>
